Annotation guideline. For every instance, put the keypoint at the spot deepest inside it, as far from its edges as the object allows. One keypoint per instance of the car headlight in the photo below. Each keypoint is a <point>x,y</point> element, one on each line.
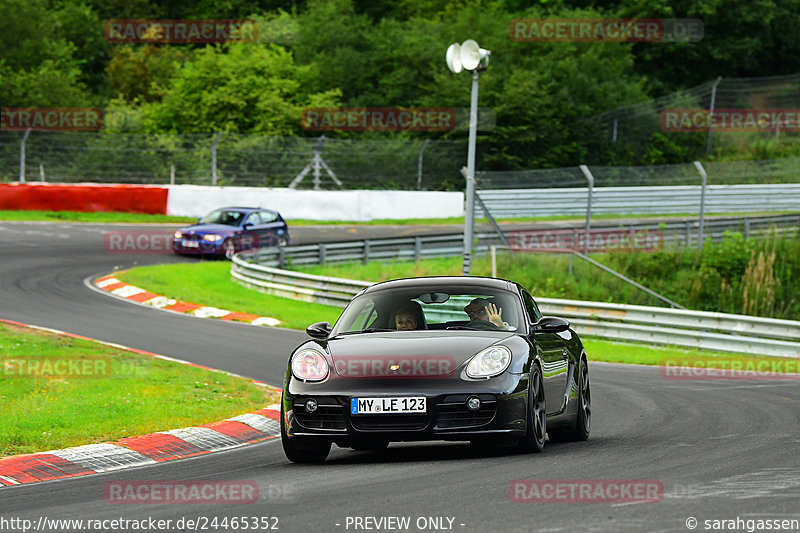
<point>178,235</point>
<point>309,365</point>
<point>489,362</point>
<point>212,238</point>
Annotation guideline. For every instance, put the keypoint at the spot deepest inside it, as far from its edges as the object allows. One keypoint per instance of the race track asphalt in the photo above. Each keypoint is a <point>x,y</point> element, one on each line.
<point>721,450</point>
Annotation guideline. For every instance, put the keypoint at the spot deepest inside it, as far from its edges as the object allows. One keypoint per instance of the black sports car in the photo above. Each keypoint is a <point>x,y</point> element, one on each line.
<point>440,358</point>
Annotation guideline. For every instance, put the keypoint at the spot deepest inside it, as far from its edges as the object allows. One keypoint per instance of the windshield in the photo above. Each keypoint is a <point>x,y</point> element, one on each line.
<point>442,308</point>
<point>223,216</point>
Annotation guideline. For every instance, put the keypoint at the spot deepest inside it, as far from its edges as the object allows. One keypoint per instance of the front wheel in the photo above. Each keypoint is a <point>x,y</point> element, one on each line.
<point>300,449</point>
<point>229,248</point>
<point>536,419</point>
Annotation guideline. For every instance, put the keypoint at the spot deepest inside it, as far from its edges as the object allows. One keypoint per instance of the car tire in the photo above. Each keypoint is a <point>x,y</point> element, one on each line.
<point>536,417</point>
<point>228,248</point>
<point>583,420</point>
<point>302,450</point>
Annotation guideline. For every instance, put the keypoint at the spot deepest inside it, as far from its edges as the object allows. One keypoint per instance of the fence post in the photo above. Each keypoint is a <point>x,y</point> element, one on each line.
<point>214,159</point>
<point>41,173</point>
<point>746,228</point>
<point>703,174</point>
<point>366,251</point>
<point>590,190</point>
<point>419,164</point>
<point>417,249</point>
<point>172,174</point>
<point>711,114</point>
<point>22,156</point>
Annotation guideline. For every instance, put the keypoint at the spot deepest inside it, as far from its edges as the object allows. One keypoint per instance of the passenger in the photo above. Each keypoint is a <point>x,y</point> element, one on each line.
<point>404,320</point>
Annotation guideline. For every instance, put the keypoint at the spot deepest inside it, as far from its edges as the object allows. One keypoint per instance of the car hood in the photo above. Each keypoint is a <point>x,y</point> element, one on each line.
<point>415,353</point>
<point>202,229</point>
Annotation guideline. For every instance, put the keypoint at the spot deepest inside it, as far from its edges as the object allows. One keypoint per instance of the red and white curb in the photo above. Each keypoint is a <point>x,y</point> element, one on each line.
<point>128,452</point>
<point>112,285</point>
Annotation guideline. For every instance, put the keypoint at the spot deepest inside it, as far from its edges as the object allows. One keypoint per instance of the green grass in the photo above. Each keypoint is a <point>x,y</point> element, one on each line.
<point>210,283</point>
<point>121,394</point>
<point>139,218</point>
<point>98,217</point>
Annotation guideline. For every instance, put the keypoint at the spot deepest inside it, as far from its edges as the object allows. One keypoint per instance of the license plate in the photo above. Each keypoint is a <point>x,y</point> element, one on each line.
<point>389,406</point>
<point>191,244</point>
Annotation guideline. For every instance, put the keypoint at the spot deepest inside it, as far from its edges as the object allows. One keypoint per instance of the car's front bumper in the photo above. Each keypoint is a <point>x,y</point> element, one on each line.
<point>501,415</point>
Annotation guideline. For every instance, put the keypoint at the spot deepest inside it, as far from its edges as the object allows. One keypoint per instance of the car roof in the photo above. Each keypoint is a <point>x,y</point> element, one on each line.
<point>467,282</point>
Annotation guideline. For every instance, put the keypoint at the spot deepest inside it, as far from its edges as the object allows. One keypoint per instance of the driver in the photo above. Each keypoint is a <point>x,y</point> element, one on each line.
<point>483,309</point>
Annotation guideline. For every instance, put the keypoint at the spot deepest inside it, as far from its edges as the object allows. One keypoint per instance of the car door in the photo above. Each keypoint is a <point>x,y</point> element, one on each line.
<point>251,232</point>
<point>555,359</point>
<point>271,225</point>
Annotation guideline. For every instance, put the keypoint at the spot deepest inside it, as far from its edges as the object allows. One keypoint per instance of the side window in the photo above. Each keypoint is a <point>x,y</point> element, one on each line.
<point>530,306</point>
<point>267,217</point>
<point>254,219</point>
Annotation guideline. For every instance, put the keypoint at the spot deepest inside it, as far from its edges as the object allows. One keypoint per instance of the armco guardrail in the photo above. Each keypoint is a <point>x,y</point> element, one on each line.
<point>676,233</point>
<point>715,331</point>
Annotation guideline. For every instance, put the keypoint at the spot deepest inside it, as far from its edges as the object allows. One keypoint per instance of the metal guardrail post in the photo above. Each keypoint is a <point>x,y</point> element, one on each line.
<point>22,156</point>
<point>322,253</point>
<point>417,249</point>
<point>704,176</point>
<point>366,252</point>
<point>214,158</point>
<point>590,190</point>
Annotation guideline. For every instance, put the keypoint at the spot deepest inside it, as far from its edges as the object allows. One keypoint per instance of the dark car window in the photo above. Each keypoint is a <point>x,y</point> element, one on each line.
<point>224,217</point>
<point>531,307</point>
<point>267,217</point>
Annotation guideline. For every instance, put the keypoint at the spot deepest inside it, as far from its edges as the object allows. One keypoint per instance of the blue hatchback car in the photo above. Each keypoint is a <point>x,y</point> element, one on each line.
<point>229,230</point>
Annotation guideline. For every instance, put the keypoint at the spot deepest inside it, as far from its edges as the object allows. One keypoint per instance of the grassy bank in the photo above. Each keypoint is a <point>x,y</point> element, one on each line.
<point>58,391</point>
<point>97,217</point>
<point>210,283</point>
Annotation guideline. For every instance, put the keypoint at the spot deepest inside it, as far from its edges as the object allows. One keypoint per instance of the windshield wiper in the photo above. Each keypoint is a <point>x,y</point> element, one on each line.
<point>463,327</point>
<point>375,330</point>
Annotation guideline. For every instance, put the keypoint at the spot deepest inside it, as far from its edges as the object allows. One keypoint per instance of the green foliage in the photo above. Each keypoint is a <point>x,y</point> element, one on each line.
<point>241,87</point>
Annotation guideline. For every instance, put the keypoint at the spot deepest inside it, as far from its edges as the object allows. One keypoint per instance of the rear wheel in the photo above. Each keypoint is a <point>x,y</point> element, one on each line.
<point>536,420</point>
<point>303,449</point>
<point>583,420</point>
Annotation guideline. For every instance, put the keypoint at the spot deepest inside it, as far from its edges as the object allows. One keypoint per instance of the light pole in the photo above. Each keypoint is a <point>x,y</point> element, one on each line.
<point>468,55</point>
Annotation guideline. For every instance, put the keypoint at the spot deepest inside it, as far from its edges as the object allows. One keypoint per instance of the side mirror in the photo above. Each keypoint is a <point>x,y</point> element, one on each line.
<point>320,330</point>
<point>550,324</point>
<point>247,225</point>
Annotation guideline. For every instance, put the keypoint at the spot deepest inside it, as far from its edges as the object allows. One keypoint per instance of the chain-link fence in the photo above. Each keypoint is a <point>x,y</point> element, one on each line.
<point>633,130</point>
<point>241,160</point>
<point>786,170</point>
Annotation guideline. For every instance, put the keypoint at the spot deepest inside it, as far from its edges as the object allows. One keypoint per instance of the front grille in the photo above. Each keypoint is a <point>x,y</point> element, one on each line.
<point>453,411</point>
<point>389,422</point>
<point>329,415</point>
